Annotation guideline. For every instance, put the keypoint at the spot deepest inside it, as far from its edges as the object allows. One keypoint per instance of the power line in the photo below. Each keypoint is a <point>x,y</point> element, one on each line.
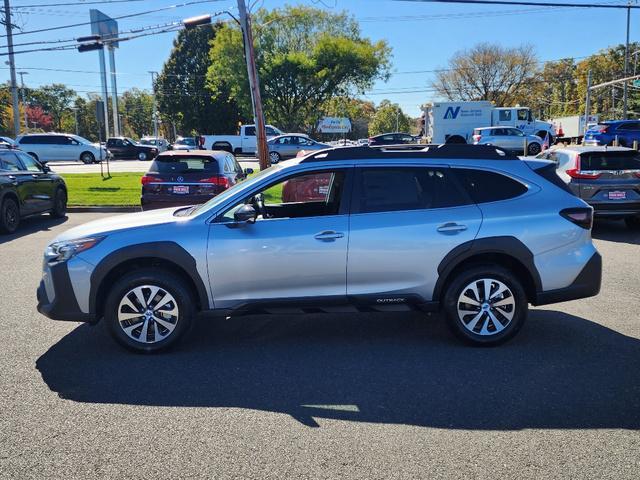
<point>74,4</point>
<point>525,3</point>
<point>137,14</point>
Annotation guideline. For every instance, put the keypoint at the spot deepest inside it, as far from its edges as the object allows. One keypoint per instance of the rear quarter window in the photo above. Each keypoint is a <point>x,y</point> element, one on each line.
<point>484,186</point>
<point>184,164</point>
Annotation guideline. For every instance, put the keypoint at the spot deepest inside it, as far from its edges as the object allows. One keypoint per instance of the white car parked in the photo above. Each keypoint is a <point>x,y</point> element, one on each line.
<point>160,143</point>
<point>508,138</point>
<point>51,147</point>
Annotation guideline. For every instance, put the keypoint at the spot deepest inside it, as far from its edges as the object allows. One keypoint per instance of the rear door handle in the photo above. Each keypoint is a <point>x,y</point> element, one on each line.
<point>328,235</point>
<point>12,177</point>
<point>451,227</point>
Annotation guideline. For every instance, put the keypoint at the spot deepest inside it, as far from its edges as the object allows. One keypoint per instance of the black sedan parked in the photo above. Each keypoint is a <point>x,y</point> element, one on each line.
<point>28,187</point>
<point>177,178</point>
<point>392,139</point>
<point>123,147</point>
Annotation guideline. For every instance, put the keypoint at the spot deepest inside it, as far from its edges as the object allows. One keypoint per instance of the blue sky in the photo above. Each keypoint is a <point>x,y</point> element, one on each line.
<point>422,36</point>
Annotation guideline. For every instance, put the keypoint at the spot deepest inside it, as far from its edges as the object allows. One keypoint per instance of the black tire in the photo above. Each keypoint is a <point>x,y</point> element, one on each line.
<point>87,158</point>
<point>142,156</point>
<point>633,222</point>
<point>59,204</point>
<point>274,157</point>
<point>168,282</point>
<point>534,148</point>
<point>462,325</point>
<point>9,216</point>
<point>34,155</point>
<point>224,146</point>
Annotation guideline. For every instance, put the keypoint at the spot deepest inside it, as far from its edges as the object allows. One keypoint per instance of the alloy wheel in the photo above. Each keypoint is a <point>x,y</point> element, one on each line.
<point>148,314</point>
<point>486,306</point>
<point>11,216</point>
<point>274,157</point>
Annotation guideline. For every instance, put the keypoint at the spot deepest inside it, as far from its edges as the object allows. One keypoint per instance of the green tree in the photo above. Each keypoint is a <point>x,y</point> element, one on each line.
<point>183,97</point>
<point>390,118</point>
<point>55,99</point>
<point>136,107</point>
<point>305,57</point>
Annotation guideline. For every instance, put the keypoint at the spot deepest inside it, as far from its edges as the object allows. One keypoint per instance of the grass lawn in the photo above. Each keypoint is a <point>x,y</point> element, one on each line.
<point>122,189</point>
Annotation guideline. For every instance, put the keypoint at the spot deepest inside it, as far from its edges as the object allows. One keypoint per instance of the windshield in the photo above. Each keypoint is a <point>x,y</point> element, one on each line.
<point>81,139</point>
<point>131,140</point>
<point>236,189</point>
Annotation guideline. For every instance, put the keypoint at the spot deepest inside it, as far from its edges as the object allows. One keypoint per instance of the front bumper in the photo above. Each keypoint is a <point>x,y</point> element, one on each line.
<point>586,284</point>
<point>56,299</point>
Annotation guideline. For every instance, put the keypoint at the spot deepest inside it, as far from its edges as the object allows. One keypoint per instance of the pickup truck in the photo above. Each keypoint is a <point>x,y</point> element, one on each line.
<point>244,143</point>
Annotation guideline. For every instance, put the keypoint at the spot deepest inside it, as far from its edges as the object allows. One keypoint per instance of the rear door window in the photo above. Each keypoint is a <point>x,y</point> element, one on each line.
<point>484,186</point>
<point>625,160</point>
<point>406,188</point>
<point>177,164</point>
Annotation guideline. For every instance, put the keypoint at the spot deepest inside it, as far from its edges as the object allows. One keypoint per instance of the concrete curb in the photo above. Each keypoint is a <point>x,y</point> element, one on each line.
<point>103,209</point>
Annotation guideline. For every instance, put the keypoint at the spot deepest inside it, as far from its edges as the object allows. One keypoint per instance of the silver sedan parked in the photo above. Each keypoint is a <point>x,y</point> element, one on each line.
<point>288,146</point>
<point>508,138</point>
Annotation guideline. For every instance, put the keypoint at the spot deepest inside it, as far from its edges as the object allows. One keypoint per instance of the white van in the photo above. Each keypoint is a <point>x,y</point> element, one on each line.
<point>51,147</point>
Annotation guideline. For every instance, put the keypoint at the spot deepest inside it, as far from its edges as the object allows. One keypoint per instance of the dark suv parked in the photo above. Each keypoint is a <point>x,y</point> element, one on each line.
<point>27,187</point>
<point>178,178</point>
<point>123,147</point>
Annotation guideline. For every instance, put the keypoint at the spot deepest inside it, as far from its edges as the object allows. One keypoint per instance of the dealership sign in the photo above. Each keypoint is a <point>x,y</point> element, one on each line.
<point>334,125</point>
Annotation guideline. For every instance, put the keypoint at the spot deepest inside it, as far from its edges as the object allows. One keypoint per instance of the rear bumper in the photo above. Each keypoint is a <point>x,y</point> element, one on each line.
<point>151,202</point>
<point>617,209</point>
<point>63,304</point>
<point>586,284</point>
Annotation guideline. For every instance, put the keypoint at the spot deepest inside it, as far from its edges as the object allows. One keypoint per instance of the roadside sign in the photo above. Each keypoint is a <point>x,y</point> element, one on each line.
<point>334,125</point>
<point>100,112</point>
<point>636,83</point>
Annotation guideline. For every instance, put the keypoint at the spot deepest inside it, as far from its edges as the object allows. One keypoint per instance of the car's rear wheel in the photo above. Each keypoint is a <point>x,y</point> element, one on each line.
<point>59,204</point>
<point>148,310</point>
<point>633,222</point>
<point>274,157</point>
<point>142,156</point>
<point>9,216</point>
<point>533,149</point>
<point>485,305</point>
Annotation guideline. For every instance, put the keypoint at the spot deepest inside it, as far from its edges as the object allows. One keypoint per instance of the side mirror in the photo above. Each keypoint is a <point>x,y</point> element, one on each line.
<point>46,168</point>
<point>245,214</point>
<point>248,171</point>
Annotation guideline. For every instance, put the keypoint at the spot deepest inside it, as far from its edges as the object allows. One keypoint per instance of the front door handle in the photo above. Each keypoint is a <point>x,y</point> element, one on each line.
<point>328,235</point>
<point>451,227</point>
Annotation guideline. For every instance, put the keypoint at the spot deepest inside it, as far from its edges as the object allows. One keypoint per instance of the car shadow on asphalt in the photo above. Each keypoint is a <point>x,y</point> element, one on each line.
<point>615,231</point>
<point>561,371</point>
<point>29,225</point>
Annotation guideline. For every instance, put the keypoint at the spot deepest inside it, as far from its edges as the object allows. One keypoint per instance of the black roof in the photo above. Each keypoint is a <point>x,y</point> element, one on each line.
<point>449,151</point>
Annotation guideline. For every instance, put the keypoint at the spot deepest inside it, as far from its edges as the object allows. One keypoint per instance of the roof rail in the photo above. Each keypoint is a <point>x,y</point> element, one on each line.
<point>406,151</point>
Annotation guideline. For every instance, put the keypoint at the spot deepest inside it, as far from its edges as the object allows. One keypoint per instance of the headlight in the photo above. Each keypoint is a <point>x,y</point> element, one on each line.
<point>62,251</point>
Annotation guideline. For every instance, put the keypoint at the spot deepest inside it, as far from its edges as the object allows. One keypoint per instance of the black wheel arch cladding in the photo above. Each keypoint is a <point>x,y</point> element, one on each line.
<point>504,245</point>
<point>167,251</point>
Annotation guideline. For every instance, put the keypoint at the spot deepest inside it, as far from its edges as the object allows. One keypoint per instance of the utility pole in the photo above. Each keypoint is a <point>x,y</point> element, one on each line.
<point>24,102</point>
<point>626,63</point>
<point>155,105</point>
<point>254,86</point>
<point>587,104</point>
<point>12,68</point>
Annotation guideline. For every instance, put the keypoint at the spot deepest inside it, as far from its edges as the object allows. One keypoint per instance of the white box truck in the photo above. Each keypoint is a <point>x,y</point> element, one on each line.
<point>571,129</point>
<point>454,122</point>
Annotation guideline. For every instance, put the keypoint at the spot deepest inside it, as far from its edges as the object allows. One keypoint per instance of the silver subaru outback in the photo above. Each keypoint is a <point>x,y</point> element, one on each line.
<point>471,231</point>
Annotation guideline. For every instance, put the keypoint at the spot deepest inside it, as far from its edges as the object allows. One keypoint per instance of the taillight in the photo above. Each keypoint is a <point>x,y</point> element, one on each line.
<point>477,138</point>
<point>583,217</point>
<point>584,174</point>
<point>601,128</point>
<point>147,179</point>
<point>220,180</point>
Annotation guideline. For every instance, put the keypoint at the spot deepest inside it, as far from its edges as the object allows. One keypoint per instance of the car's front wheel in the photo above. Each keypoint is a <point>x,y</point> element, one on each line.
<point>87,158</point>
<point>148,310</point>
<point>59,209</point>
<point>485,305</point>
<point>142,156</point>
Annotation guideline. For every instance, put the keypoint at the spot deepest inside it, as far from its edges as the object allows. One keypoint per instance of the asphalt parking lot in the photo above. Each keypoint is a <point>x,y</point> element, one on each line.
<point>345,396</point>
